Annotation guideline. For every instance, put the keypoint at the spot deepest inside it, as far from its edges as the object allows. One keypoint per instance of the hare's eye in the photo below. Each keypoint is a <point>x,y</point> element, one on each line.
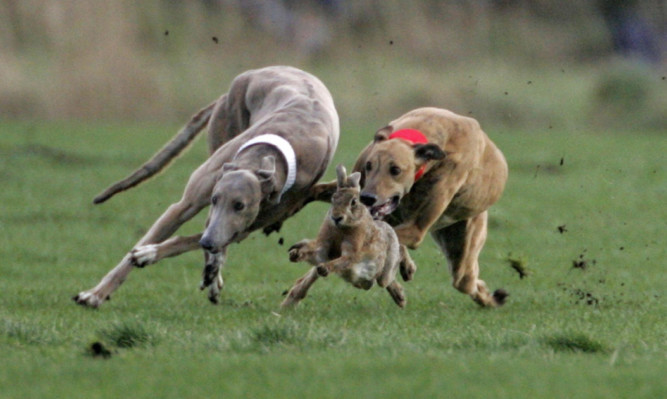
<point>368,166</point>
<point>238,206</point>
<point>353,203</point>
<point>395,170</point>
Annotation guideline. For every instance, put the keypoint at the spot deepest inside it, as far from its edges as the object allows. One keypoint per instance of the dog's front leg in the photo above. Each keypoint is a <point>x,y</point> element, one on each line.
<point>163,228</point>
<point>149,254</point>
<point>411,232</point>
<point>323,192</point>
<point>212,274</point>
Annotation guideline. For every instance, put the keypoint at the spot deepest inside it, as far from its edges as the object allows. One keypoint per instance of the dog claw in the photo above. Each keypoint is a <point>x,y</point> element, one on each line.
<point>88,299</point>
<point>143,255</point>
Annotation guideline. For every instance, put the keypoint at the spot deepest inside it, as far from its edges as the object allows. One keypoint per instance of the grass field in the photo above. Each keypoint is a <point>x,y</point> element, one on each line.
<point>584,212</point>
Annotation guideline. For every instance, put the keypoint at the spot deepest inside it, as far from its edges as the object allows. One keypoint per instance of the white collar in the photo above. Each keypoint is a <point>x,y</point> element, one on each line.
<point>285,149</point>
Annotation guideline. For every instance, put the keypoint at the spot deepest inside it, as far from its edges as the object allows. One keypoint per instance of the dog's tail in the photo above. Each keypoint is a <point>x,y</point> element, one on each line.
<point>162,158</point>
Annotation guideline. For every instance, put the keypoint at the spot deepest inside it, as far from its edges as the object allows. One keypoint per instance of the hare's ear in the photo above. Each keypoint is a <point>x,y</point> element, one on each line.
<point>341,175</point>
<point>353,180</point>
<point>382,134</point>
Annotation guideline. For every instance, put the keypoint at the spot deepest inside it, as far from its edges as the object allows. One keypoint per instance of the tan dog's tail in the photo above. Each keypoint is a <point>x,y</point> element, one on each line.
<point>163,157</point>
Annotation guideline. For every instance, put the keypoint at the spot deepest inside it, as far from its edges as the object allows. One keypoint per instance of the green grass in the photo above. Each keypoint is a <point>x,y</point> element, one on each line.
<point>593,331</point>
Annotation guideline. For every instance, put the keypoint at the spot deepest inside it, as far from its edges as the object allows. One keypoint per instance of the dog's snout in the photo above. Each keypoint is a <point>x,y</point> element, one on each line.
<point>206,243</point>
<point>337,219</point>
<point>367,199</point>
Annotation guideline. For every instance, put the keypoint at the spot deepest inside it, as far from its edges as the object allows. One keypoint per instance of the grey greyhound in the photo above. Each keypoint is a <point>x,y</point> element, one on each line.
<point>270,139</point>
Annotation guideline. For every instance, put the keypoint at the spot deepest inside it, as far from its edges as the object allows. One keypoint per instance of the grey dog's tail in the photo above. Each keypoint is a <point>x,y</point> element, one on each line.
<point>162,158</point>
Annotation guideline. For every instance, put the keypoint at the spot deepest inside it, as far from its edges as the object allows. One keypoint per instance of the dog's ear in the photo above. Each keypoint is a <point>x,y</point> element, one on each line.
<point>428,152</point>
<point>341,175</point>
<point>267,179</point>
<point>353,180</point>
<point>382,134</point>
<point>267,168</point>
<point>229,167</point>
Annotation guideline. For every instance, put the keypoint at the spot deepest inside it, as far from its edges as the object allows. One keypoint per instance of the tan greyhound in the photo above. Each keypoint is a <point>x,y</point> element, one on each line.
<point>270,139</point>
<point>432,170</point>
<point>350,243</point>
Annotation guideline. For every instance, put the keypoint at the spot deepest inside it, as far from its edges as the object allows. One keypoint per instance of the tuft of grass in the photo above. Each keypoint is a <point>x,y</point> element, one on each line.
<point>574,342</point>
<point>128,335</point>
<point>22,333</point>
<point>269,336</point>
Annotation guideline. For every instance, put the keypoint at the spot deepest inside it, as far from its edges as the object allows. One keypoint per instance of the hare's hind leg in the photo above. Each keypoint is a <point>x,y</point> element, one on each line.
<point>300,288</point>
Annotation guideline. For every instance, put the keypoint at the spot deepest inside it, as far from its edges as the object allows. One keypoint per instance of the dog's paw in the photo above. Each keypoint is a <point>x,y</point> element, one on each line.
<point>144,255</point>
<point>500,297</point>
<point>89,299</point>
<point>214,290</point>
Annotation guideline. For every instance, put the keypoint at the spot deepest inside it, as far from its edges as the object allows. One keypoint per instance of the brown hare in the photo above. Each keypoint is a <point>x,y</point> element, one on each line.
<point>353,245</point>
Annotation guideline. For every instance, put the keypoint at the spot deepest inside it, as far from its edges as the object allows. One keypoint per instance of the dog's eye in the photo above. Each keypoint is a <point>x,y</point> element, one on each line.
<point>238,206</point>
<point>214,200</point>
<point>395,170</point>
<point>368,166</point>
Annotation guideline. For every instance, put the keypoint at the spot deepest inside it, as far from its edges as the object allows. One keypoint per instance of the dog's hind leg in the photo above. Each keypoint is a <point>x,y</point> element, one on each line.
<point>231,115</point>
<point>461,243</point>
<point>300,288</point>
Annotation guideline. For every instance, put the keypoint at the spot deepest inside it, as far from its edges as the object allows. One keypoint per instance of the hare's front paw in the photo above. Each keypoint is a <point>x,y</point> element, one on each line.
<point>299,251</point>
<point>322,270</point>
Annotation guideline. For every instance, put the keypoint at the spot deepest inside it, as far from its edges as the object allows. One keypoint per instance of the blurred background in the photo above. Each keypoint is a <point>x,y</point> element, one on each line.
<point>531,64</point>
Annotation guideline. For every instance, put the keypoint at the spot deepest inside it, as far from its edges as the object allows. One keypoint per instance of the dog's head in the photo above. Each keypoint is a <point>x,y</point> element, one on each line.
<point>346,209</point>
<point>390,167</point>
<point>235,203</point>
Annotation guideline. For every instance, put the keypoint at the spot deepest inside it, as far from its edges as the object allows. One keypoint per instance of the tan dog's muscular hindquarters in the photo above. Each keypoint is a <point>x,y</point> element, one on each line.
<point>275,101</point>
<point>464,173</point>
<point>350,243</point>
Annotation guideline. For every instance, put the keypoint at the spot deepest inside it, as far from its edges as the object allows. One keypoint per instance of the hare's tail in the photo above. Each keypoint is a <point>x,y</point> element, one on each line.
<point>163,157</point>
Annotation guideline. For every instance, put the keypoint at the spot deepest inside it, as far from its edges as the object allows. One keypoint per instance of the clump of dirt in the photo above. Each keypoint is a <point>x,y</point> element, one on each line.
<point>581,263</point>
<point>585,297</point>
<point>519,265</point>
<point>562,229</point>
<point>97,349</point>
<point>581,295</point>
